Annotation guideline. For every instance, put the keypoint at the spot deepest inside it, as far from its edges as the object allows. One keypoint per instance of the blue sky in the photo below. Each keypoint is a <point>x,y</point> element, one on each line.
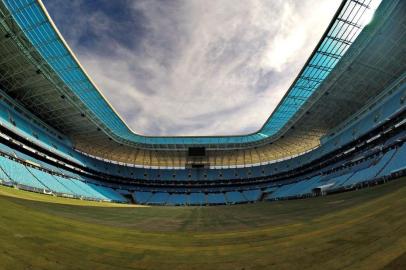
<point>193,67</point>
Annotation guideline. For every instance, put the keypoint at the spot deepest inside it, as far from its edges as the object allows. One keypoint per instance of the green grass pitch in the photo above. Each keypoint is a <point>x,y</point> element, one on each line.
<point>364,229</point>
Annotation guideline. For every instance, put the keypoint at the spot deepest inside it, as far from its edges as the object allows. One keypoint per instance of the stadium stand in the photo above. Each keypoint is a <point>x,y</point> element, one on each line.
<point>234,197</point>
<point>197,199</point>
<point>177,199</point>
<point>334,136</point>
<point>215,198</point>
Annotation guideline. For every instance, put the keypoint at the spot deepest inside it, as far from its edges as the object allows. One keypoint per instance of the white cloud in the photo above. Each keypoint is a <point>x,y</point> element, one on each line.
<point>206,67</point>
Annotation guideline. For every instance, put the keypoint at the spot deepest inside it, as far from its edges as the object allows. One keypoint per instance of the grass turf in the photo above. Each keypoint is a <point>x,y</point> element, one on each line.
<point>364,229</point>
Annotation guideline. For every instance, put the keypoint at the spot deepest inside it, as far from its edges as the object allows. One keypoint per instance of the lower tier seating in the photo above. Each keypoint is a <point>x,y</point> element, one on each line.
<point>372,163</point>
<point>26,176</point>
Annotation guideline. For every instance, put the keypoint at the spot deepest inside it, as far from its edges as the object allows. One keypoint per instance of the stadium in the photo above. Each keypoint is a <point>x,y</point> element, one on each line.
<point>321,185</point>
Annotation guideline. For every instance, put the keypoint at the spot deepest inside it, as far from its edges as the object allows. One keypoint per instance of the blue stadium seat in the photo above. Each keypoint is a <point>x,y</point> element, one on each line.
<point>396,163</point>
<point>158,198</point>
<point>20,174</point>
<point>108,193</point>
<point>216,198</point>
<point>177,199</point>
<point>142,197</point>
<point>49,181</point>
<point>197,198</point>
<point>234,197</point>
<point>370,172</point>
<point>252,195</point>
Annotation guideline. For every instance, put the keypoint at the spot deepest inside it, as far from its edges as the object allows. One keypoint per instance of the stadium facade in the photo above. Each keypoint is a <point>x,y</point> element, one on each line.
<point>341,125</point>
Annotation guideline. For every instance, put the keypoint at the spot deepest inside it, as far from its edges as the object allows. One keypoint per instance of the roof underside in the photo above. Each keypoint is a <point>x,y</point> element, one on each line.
<point>35,24</point>
<point>38,70</point>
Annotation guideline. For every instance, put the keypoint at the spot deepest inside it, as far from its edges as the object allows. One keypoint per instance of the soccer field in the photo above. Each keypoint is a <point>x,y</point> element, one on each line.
<point>363,229</point>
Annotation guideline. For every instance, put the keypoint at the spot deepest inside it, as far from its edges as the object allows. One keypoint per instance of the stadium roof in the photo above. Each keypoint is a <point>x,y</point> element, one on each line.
<point>36,24</point>
<point>348,68</point>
